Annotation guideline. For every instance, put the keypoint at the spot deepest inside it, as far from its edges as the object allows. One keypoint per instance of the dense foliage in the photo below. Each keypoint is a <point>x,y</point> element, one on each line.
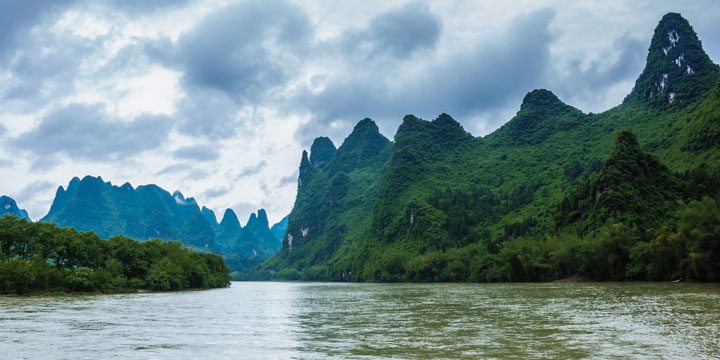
<point>41,257</point>
<point>256,239</point>
<point>553,193</point>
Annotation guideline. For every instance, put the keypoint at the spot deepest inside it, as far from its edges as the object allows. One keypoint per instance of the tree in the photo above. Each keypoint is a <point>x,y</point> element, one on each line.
<point>700,228</point>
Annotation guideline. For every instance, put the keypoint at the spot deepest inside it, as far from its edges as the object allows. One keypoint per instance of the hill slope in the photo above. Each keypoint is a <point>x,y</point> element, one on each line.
<point>438,193</point>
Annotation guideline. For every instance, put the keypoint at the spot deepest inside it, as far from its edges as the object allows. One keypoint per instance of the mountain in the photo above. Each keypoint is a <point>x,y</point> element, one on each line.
<point>438,204</point>
<point>8,206</point>
<point>210,217</point>
<point>280,228</point>
<point>229,230</point>
<point>632,188</point>
<point>677,68</point>
<point>197,232</point>
<point>256,239</point>
<point>148,212</point>
<point>333,202</point>
<point>321,152</point>
<point>145,212</point>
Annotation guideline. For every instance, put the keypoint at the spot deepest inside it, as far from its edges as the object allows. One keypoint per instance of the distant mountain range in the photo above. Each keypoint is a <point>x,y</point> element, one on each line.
<point>438,204</point>
<point>148,211</point>
<point>8,206</point>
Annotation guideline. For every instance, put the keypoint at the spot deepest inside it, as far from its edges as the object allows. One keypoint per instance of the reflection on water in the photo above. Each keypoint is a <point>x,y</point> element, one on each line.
<point>316,320</point>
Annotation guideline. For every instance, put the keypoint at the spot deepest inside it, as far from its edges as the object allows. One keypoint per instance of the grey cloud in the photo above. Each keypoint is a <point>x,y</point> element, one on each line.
<point>197,175</point>
<point>33,189</point>
<point>17,17</point>
<point>264,187</point>
<point>251,170</point>
<point>88,132</point>
<point>208,112</point>
<point>231,59</point>
<point>45,163</point>
<point>143,7</point>
<point>173,169</point>
<point>399,33</point>
<point>402,31</point>
<point>234,49</point>
<point>591,84</point>
<point>44,68</point>
<point>6,163</point>
<point>480,80</point>
<point>196,152</point>
<point>287,180</point>
<point>215,192</point>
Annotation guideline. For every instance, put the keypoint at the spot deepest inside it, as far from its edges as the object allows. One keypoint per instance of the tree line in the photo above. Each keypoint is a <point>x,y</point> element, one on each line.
<point>42,257</point>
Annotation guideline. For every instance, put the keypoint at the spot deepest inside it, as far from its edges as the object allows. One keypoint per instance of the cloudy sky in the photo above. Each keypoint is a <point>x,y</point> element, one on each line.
<point>218,99</point>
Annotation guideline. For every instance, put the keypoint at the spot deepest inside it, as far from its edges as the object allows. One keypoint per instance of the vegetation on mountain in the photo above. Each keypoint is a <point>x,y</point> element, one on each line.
<point>149,212</point>
<point>9,206</point>
<point>256,239</point>
<point>197,232</point>
<point>551,194</point>
<point>228,231</point>
<point>41,257</point>
<point>279,228</point>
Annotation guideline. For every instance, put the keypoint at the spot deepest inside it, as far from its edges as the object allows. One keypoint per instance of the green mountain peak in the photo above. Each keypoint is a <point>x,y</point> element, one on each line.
<point>305,169</point>
<point>633,188</point>
<point>442,131</point>
<point>359,149</point>
<point>542,114</point>
<point>677,68</point>
<point>8,206</point>
<point>541,98</point>
<point>210,216</point>
<point>228,231</point>
<point>196,231</point>
<point>321,151</point>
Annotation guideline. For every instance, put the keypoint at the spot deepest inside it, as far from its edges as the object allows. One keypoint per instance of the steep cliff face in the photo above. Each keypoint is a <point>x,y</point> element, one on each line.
<point>677,70</point>
<point>333,201</point>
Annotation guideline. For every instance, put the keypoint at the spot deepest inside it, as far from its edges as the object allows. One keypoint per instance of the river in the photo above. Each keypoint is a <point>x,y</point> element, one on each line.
<point>278,320</point>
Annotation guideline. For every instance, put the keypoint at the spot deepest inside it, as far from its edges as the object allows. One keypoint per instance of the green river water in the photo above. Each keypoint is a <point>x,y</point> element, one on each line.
<point>253,320</point>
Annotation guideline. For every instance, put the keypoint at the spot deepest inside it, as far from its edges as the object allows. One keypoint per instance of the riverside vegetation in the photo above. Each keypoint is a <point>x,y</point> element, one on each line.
<point>41,257</point>
<point>628,194</point>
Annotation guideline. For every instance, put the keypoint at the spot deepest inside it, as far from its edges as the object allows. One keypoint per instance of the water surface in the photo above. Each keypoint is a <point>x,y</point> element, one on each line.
<point>337,320</point>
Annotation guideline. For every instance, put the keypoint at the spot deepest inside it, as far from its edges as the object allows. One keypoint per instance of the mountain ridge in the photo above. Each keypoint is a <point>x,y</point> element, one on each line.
<point>505,187</point>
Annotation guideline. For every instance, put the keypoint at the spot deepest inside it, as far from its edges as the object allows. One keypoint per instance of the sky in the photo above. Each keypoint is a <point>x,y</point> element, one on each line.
<point>217,99</point>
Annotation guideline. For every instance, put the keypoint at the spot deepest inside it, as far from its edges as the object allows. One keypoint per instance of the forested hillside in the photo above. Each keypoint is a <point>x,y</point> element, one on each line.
<point>41,257</point>
<point>630,193</point>
<point>150,212</point>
